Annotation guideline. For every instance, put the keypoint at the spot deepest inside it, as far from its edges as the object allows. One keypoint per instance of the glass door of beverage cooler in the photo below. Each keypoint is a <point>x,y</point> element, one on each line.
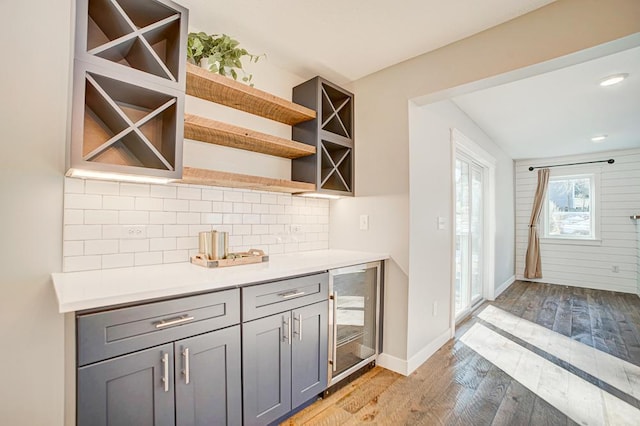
<point>353,318</point>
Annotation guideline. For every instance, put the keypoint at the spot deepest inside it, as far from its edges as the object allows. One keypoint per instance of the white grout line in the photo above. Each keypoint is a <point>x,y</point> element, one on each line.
<point>578,399</point>
<point>618,373</point>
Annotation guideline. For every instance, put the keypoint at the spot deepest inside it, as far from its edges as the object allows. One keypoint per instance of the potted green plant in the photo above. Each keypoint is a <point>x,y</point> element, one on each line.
<point>219,54</point>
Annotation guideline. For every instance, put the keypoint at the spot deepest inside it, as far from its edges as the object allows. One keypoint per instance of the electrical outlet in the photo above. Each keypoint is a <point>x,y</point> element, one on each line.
<point>364,222</point>
<point>296,229</point>
<point>130,232</point>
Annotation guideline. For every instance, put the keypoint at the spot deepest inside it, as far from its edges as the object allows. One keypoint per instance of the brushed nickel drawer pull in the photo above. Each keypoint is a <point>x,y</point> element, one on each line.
<point>173,321</point>
<point>290,294</point>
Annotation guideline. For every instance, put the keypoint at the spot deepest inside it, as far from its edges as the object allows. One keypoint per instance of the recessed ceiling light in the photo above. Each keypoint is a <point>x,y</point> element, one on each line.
<point>598,138</point>
<point>613,79</point>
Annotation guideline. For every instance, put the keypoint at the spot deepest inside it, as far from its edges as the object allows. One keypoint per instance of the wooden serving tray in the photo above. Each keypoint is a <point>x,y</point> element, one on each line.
<point>234,259</point>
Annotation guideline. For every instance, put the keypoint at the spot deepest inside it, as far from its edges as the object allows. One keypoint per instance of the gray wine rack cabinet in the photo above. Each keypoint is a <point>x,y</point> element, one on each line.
<point>129,87</point>
<point>331,169</point>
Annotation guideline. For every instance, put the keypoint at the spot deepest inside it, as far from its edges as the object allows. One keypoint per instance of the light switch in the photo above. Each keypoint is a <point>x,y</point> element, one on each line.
<point>442,222</point>
<point>364,222</point>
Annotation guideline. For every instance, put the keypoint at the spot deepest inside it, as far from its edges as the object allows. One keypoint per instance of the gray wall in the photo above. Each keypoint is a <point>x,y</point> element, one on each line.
<point>35,38</point>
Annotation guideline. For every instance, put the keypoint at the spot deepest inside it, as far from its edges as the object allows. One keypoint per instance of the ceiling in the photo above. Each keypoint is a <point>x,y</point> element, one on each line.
<point>344,40</point>
<point>557,113</point>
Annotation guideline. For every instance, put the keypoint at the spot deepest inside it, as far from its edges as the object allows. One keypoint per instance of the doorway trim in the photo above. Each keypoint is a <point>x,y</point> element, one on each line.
<point>463,144</point>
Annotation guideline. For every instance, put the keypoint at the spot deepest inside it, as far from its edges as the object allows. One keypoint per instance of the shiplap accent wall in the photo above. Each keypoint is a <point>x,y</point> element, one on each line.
<point>588,265</point>
<point>174,214</point>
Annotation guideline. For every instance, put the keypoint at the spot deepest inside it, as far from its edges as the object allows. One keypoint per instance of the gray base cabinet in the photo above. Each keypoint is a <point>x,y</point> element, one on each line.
<point>212,395</point>
<point>127,390</point>
<point>284,355</point>
<point>189,376</point>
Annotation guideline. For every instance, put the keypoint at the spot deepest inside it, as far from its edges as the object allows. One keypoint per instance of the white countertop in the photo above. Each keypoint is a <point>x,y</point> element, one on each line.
<point>94,289</point>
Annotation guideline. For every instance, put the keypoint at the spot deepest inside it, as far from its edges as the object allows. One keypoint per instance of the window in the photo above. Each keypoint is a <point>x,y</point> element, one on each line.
<point>569,210</point>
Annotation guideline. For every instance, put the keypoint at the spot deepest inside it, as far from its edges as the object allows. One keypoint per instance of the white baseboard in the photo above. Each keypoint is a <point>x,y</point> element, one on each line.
<point>405,367</point>
<point>505,285</point>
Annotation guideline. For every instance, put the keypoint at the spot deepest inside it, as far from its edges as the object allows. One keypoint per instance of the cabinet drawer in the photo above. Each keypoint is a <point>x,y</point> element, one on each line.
<point>266,299</point>
<point>107,334</point>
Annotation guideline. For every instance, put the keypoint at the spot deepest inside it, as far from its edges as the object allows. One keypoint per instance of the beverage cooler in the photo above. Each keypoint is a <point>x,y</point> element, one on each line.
<point>354,318</point>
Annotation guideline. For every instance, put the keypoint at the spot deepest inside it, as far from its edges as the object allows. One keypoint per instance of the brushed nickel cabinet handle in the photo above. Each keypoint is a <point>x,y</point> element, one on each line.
<point>185,356</point>
<point>173,321</point>
<point>299,332</point>
<point>165,373</point>
<point>335,331</point>
<point>290,294</point>
<point>289,329</point>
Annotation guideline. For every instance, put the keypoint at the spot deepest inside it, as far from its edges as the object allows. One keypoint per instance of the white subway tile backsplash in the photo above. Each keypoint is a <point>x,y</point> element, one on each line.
<point>200,206</point>
<point>122,260</point>
<point>212,195</point>
<point>233,196</point>
<point>135,189</point>
<point>148,258</point>
<point>133,217</point>
<point>117,203</point>
<point>186,243</point>
<point>149,204</point>
<point>134,246</point>
<point>250,197</point>
<point>211,218</point>
<point>241,208</point>
<point>162,218</point>
<point>102,187</point>
<point>81,263</point>
<point>251,219</point>
<point>100,247</point>
<point>231,218</point>
<point>100,217</point>
<point>259,229</point>
<point>163,191</point>
<point>73,248</point>
<point>73,217</point>
<point>174,214</point>
<point>268,219</point>
<point>176,230</point>
<point>175,256</point>
<point>268,199</point>
<point>188,193</point>
<point>188,218</point>
<point>176,205</point>
<point>73,186</point>
<point>161,244</point>
<point>284,200</point>
<point>82,201</point>
<point>82,232</point>
<point>241,230</point>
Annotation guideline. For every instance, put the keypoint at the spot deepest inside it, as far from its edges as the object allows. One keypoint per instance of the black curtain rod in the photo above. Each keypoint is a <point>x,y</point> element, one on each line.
<point>609,161</point>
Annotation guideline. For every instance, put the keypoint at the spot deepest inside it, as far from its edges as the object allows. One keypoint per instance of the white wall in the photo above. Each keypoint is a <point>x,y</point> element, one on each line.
<point>526,45</point>
<point>584,264</point>
<point>431,189</point>
<point>36,41</point>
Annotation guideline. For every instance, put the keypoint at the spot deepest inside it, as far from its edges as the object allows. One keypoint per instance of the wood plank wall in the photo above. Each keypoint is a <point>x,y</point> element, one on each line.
<point>585,265</point>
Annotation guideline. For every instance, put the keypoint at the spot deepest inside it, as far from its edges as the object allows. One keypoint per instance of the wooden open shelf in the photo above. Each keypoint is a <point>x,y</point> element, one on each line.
<point>234,180</point>
<point>218,133</point>
<point>223,90</point>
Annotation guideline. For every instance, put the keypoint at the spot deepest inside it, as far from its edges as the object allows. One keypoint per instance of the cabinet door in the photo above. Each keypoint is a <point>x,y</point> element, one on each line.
<point>266,364</point>
<point>208,383</point>
<point>134,389</point>
<point>309,356</point>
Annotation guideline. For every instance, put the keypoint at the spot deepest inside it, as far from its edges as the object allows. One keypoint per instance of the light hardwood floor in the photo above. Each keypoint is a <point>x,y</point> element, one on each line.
<point>457,386</point>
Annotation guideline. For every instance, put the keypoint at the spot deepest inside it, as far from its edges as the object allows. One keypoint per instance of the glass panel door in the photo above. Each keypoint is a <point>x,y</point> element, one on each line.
<point>354,294</point>
<point>469,228</point>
